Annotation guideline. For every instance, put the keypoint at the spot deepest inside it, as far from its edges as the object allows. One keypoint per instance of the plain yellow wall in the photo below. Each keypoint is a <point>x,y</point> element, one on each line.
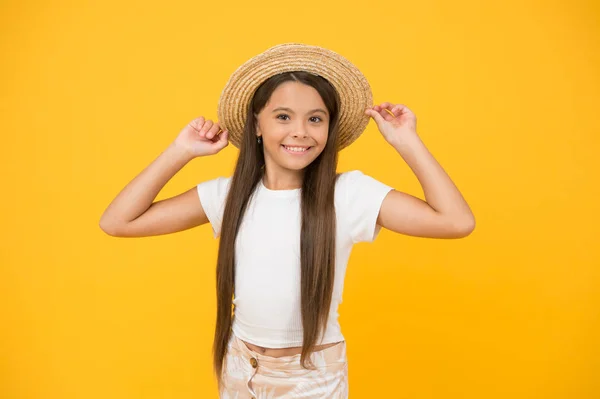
<point>506,96</point>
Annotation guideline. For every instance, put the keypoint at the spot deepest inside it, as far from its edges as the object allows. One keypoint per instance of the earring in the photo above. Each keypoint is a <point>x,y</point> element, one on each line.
<point>259,140</point>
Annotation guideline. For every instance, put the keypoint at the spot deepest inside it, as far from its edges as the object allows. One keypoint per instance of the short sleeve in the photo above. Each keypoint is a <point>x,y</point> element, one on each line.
<point>361,199</point>
<point>212,195</point>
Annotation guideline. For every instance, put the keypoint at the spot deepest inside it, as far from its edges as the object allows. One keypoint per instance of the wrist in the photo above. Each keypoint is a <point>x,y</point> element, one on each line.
<point>179,152</point>
<point>408,145</point>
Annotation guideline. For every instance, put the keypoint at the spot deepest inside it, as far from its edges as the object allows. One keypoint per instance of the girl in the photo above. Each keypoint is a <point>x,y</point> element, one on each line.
<point>286,220</point>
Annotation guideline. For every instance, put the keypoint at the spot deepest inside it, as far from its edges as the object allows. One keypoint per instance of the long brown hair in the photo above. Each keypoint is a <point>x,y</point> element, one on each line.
<point>317,242</point>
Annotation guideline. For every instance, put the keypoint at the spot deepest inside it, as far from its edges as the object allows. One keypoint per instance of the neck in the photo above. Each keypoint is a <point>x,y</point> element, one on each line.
<point>283,179</point>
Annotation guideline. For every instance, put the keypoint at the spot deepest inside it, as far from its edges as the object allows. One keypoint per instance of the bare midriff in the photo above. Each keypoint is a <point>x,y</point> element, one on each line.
<point>279,352</point>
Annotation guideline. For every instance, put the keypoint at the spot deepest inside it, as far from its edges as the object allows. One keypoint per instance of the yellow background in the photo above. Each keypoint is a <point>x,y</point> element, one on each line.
<point>506,97</point>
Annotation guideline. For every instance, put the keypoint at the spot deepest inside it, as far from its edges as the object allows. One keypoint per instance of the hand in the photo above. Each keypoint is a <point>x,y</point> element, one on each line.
<point>396,123</point>
<point>201,137</point>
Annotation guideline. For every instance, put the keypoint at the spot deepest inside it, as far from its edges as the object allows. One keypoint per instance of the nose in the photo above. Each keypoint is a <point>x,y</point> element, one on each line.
<point>300,132</point>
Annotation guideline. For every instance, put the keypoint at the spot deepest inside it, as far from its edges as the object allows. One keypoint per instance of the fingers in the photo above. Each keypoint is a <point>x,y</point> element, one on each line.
<point>223,140</point>
<point>390,111</point>
<point>219,142</point>
<point>385,111</point>
<point>206,128</point>
<point>197,123</point>
<point>373,113</point>
<point>399,109</point>
<point>213,131</point>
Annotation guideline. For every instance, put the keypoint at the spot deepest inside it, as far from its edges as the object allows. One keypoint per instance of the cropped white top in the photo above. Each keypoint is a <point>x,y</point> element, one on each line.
<point>267,269</point>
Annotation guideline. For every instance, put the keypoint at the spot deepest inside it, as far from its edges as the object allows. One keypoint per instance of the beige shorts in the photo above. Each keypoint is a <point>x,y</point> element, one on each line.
<point>248,374</point>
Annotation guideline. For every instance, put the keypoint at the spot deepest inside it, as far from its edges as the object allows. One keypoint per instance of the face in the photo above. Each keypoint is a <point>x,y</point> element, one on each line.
<point>293,126</point>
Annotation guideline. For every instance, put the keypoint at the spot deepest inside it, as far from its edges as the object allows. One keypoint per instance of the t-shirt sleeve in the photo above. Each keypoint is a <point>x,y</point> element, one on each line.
<point>212,195</point>
<point>362,199</point>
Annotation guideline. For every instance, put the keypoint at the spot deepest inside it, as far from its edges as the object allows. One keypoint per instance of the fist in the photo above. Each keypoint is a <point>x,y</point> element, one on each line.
<point>202,137</point>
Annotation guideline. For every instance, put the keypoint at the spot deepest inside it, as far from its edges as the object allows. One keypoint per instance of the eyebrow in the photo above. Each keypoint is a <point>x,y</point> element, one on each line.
<point>290,110</point>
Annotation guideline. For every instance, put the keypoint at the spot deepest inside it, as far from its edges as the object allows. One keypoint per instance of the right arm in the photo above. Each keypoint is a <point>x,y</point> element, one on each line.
<point>133,213</point>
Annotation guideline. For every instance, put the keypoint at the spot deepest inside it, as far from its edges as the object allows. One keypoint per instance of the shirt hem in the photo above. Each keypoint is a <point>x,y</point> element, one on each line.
<point>283,344</point>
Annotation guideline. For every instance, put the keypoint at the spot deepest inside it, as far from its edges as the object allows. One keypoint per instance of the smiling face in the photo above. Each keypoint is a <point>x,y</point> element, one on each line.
<point>293,127</point>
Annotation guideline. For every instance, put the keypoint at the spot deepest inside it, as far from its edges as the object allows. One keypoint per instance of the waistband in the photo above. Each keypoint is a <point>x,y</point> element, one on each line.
<point>332,358</point>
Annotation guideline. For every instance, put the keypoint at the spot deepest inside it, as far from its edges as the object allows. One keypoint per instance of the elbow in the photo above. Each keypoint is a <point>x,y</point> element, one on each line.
<point>465,227</point>
<point>108,228</point>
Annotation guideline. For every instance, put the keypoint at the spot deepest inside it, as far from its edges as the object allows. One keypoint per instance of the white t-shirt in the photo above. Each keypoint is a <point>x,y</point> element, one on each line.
<point>267,270</point>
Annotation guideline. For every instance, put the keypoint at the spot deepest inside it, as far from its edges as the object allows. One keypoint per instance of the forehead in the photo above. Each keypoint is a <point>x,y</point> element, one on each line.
<point>295,95</point>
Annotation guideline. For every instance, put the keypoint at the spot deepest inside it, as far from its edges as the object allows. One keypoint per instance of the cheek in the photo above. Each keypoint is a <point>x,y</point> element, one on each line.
<point>274,133</point>
<point>272,143</point>
<point>322,138</point>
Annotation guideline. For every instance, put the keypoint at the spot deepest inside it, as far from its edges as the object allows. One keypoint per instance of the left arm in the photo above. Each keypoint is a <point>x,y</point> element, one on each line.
<point>444,213</point>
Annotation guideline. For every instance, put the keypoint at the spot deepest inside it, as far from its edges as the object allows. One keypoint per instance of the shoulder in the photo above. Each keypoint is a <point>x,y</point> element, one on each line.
<point>219,186</point>
<point>212,194</point>
<point>346,178</point>
<point>219,181</point>
<point>347,185</point>
<point>355,180</point>
<point>358,199</point>
<point>355,186</point>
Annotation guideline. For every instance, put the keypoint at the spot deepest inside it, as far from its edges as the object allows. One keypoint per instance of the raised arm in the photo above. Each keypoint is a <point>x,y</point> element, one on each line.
<point>133,212</point>
<point>444,213</point>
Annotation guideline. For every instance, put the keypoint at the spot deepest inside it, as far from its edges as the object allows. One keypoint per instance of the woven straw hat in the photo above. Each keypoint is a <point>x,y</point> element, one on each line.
<point>352,86</point>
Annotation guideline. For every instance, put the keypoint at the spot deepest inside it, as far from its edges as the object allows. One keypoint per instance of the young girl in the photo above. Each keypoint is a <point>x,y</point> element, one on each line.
<point>286,220</point>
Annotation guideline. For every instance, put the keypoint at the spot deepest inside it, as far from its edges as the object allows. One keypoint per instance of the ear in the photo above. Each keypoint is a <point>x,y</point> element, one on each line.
<point>257,128</point>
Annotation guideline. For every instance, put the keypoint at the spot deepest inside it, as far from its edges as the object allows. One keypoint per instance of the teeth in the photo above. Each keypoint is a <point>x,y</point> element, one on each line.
<point>296,149</point>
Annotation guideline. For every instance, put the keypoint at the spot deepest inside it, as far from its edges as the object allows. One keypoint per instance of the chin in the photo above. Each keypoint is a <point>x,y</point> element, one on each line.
<point>296,165</point>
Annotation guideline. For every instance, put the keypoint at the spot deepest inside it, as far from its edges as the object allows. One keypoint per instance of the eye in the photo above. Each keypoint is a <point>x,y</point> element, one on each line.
<point>278,116</point>
<point>316,117</point>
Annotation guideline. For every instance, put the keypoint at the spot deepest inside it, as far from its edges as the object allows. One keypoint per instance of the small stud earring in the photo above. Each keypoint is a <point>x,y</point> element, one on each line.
<point>258,140</point>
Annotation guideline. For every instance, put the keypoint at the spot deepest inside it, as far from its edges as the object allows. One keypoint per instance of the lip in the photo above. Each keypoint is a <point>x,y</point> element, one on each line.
<point>308,148</point>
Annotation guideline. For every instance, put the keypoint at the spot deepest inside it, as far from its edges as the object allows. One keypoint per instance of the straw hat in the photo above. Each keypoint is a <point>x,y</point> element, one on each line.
<point>352,86</point>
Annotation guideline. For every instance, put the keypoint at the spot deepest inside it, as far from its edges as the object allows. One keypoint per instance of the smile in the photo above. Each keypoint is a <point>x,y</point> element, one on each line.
<point>295,149</point>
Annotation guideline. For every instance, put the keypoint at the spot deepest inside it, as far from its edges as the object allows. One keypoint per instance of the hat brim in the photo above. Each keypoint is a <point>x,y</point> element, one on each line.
<point>352,87</point>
